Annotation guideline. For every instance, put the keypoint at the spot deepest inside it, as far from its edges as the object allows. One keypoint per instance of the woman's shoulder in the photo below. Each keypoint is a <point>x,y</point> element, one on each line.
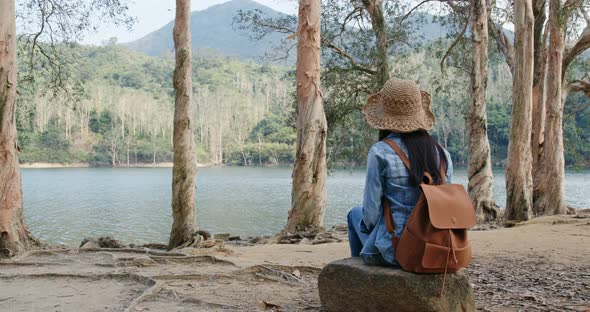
<point>382,150</point>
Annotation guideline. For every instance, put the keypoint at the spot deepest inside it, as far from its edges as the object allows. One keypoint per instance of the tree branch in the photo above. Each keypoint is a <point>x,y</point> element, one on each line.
<point>503,42</point>
<point>350,59</point>
<point>580,46</point>
<point>577,110</point>
<point>579,85</point>
<point>415,8</point>
<point>457,39</point>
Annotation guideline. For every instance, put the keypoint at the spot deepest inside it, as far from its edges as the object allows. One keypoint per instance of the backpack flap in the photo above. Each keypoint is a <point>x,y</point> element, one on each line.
<point>449,206</point>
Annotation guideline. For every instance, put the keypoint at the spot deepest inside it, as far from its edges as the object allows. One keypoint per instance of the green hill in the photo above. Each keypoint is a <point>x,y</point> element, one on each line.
<point>212,29</point>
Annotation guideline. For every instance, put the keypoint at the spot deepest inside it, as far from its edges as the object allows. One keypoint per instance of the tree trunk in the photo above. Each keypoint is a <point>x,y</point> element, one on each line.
<point>550,198</point>
<point>185,168</point>
<point>14,236</point>
<point>519,188</point>
<point>308,198</point>
<point>375,10</point>
<point>540,64</point>
<point>480,162</point>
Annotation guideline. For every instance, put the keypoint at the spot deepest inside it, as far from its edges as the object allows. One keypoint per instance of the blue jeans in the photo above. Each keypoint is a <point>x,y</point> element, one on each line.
<point>357,239</point>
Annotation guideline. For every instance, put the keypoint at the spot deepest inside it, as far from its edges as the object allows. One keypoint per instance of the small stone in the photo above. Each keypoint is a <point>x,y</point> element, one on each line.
<point>350,285</point>
<point>101,242</point>
<point>223,236</point>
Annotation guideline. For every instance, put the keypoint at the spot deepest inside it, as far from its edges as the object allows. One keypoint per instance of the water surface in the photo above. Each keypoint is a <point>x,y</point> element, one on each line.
<point>62,206</point>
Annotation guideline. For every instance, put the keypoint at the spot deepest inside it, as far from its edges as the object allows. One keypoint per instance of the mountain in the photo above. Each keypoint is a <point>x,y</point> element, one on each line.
<point>213,29</point>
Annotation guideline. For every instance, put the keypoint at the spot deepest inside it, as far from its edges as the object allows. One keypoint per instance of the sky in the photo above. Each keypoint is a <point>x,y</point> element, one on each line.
<point>153,14</point>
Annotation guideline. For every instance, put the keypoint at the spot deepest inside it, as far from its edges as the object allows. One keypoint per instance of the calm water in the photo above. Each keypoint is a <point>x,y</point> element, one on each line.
<point>65,205</point>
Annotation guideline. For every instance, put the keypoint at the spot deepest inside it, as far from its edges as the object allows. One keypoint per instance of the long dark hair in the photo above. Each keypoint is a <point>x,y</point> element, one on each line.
<point>423,152</point>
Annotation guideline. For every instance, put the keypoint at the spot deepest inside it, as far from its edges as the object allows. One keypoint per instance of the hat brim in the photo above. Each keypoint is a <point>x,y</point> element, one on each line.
<point>378,118</point>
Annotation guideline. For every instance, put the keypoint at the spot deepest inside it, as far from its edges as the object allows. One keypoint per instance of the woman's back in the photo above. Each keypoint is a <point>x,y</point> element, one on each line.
<point>402,111</point>
<point>398,186</point>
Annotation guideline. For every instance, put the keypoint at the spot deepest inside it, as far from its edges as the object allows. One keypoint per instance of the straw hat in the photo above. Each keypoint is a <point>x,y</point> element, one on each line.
<point>400,106</point>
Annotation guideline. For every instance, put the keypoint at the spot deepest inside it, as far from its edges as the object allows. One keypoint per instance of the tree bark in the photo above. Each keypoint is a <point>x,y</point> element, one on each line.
<point>519,190</point>
<point>185,168</point>
<point>308,198</point>
<point>375,10</point>
<point>14,235</point>
<point>550,195</point>
<point>539,77</point>
<point>480,162</point>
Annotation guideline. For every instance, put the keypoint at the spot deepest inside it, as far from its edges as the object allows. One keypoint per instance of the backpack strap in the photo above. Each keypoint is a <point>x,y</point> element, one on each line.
<point>399,152</point>
<point>389,222</point>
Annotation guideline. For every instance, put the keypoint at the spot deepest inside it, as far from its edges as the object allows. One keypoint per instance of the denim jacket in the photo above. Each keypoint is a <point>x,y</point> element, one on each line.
<point>386,174</point>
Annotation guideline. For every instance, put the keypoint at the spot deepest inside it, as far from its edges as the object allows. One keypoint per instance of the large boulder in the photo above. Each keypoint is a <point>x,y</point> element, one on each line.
<point>350,285</point>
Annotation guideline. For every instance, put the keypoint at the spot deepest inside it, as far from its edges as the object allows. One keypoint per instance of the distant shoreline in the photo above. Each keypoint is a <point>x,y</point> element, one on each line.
<point>43,165</point>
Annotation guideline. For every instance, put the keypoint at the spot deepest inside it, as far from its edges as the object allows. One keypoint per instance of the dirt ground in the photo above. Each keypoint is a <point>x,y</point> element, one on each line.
<point>542,265</point>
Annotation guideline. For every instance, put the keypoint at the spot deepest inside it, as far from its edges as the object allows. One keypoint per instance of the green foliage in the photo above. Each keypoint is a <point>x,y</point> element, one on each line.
<point>244,111</point>
<point>273,129</point>
<point>125,114</point>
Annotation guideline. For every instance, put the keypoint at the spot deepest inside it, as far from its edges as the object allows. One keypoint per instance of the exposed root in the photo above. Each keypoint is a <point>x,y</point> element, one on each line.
<point>185,276</point>
<point>191,259</point>
<point>150,292</point>
<point>24,264</point>
<point>158,246</point>
<point>145,251</point>
<point>276,275</point>
<point>40,253</point>
<point>115,276</point>
<point>195,241</point>
<point>312,235</point>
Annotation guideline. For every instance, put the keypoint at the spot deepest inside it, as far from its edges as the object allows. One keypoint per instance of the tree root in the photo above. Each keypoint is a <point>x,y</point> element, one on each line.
<point>150,292</point>
<point>190,259</point>
<point>277,275</point>
<point>183,276</point>
<point>24,264</point>
<point>40,252</point>
<point>145,251</point>
<point>312,235</point>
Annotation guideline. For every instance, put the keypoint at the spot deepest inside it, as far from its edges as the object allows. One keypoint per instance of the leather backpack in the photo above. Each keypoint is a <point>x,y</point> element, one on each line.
<point>435,237</point>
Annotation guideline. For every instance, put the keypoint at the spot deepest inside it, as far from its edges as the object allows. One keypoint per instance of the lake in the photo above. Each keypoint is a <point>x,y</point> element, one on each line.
<point>62,206</point>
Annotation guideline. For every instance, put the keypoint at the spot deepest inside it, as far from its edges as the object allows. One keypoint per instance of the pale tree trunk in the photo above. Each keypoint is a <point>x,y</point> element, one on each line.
<point>184,171</point>
<point>519,181</point>
<point>375,10</point>
<point>480,162</point>
<point>308,198</point>
<point>14,236</point>
<point>540,64</point>
<point>550,196</point>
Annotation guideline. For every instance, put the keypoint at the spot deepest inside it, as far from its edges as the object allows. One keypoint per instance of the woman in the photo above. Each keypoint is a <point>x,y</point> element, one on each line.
<point>402,113</point>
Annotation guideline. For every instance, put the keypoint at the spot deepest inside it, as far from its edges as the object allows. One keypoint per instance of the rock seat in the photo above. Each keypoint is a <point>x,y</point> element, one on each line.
<point>350,285</point>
